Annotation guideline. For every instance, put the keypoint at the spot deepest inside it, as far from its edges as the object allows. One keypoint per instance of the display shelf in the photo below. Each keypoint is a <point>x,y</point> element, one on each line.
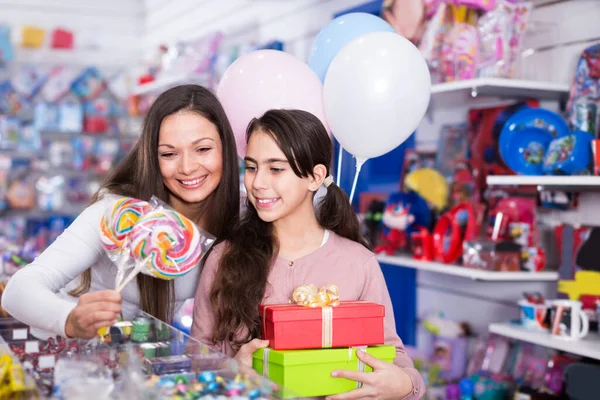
<point>463,92</point>
<point>475,274</point>
<point>57,135</point>
<point>164,83</point>
<point>558,182</point>
<point>588,347</point>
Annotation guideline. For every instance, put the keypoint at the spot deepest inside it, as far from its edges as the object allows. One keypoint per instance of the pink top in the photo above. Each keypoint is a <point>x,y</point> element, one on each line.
<point>349,265</point>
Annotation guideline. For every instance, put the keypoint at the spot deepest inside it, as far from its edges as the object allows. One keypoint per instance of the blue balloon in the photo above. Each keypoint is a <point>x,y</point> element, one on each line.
<point>338,33</point>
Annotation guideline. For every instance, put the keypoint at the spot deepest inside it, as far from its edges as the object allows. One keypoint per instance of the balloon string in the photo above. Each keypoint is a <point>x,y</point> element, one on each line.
<point>339,167</point>
<point>359,164</point>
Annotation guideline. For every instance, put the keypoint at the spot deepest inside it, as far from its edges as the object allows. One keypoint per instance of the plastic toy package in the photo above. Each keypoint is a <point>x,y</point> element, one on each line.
<point>460,50</point>
<point>494,30</point>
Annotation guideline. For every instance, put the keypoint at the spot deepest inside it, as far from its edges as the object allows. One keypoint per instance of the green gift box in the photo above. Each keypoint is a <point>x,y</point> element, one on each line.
<point>307,373</point>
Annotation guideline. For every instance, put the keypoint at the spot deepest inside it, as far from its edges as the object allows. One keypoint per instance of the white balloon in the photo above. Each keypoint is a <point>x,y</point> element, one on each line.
<point>376,93</point>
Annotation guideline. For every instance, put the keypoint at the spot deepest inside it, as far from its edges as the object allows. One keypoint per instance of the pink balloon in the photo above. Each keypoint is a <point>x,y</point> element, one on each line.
<point>267,79</point>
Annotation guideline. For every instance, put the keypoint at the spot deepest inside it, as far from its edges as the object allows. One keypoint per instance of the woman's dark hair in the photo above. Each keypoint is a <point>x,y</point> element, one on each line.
<point>241,279</point>
<point>139,176</point>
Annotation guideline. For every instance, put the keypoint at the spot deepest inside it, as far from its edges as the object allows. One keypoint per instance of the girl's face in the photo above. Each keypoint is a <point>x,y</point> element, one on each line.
<point>272,187</point>
<point>190,156</point>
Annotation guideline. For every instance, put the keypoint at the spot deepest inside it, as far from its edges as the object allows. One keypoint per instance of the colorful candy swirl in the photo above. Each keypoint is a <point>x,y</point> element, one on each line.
<point>168,242</point>
<point>118,220</point>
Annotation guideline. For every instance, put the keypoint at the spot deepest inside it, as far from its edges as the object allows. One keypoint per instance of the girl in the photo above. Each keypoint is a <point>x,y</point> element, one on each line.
<point>186,156</point>
<point>282,243</point>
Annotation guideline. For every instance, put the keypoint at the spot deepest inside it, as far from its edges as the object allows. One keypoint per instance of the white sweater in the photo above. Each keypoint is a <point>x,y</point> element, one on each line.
<point>38,294</point>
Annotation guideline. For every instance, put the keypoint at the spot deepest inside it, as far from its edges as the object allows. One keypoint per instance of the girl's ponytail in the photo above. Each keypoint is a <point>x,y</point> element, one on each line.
<point>335,213</point>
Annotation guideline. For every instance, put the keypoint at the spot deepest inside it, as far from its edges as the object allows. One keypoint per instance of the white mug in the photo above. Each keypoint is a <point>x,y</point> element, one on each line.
<point>568,320</point>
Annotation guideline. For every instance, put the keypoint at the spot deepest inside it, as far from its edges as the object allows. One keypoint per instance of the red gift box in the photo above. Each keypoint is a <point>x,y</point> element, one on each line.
<point>351,323</point>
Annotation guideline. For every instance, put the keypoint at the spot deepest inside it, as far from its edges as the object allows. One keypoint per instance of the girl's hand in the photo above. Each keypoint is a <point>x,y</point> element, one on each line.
<point>244,355</point>
<point>387,381</point>
<point>93,311</point>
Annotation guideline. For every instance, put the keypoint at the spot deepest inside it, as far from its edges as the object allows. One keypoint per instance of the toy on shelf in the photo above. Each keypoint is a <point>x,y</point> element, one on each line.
<point>451,230</point>
<point>447,341</point>
<point>404,213</point>
<point>430,185</point>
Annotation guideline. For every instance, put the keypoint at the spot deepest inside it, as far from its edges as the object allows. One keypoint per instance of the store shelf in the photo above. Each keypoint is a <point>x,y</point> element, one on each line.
<point>475,274</point>
<point>588,347</point>
<point>579,183</point>
<point>463,92</point>
<point>167,82</point>
<point>57,135</point>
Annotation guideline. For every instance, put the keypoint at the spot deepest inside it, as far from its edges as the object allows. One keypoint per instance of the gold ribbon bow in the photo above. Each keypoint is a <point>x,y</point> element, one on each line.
<point>310,296</point>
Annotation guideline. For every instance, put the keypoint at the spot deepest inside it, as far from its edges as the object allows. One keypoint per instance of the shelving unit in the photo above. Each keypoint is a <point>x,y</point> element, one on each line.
<point>164,83</point>
<point>463,92</point>
<point>474,274</point>
<point>588,347</point>
<point>573,183</point>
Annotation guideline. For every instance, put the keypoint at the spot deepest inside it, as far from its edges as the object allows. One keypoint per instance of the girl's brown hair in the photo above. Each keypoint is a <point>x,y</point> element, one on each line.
<point>139,176</point>
<point>241,279</point>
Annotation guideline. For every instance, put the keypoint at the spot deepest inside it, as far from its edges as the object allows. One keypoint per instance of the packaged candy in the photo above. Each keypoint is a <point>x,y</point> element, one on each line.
<point>151,238</point>
<point>106,152</point>
<point>11,102</point>
<point>70,116</point>
<point>6,48</point>
<point>28,80</point>
<point>96,115</point>
<point>51,193</point>
<point>58,83</point>
<point>29,138</point>
<point>21,194</point>
<point>46,117</point>
<point>60,153</point>
<point>77,378</point>
<point>89,84</point>
<point>9,131</point>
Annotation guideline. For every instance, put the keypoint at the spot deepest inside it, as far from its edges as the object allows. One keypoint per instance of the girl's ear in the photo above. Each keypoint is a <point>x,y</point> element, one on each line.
<point>319,174</point>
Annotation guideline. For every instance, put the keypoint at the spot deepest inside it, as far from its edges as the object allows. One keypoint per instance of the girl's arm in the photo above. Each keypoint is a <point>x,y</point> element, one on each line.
<point>375,290</point>
<point>31,294</point>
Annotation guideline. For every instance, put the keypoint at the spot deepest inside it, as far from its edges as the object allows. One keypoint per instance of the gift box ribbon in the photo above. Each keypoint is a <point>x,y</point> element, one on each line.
<point>309,296</point>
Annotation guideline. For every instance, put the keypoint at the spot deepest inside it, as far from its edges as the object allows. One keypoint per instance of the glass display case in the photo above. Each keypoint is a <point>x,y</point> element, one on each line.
<point>140,359</point>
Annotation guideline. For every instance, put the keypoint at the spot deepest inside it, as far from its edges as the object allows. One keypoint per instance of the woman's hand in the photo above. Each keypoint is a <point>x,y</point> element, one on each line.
<point>244,355</point>
<point>387,381</point>
<point>93,311</point>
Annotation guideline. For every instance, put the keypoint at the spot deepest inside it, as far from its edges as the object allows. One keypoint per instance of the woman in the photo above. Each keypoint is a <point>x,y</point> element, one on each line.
<point>186,156</point>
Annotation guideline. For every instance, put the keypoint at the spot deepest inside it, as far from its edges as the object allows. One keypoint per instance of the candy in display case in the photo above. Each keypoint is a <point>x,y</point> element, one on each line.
<point>140,359</point>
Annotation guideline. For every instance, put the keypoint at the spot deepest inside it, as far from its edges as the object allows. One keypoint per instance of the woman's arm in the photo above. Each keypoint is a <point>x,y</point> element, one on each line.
<point>31,294</point>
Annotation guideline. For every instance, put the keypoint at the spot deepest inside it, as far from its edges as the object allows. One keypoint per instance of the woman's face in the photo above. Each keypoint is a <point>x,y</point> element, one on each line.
<point>190,156</point>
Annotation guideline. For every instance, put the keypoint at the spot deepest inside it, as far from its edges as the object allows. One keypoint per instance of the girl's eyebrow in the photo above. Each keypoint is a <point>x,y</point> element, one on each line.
<point>268,161</point>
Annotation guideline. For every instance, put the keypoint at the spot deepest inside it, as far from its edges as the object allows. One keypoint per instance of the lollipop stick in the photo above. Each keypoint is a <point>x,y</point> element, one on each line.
<point>133,274</point>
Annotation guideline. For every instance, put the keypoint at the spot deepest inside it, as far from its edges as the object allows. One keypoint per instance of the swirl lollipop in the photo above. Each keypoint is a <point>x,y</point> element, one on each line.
<point>167,242</point>
<point>118,220</point>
